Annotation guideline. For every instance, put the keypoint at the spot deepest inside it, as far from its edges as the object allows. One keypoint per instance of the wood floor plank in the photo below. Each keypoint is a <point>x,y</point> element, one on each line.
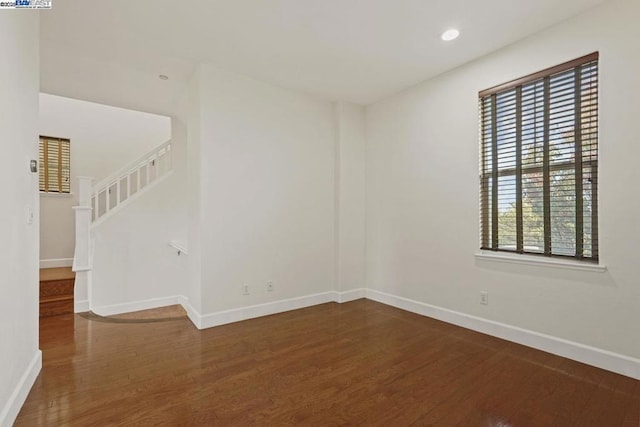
<point>359,363</point>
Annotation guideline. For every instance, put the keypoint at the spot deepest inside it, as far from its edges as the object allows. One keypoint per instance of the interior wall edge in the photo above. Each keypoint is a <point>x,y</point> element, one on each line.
<point>12,407</point>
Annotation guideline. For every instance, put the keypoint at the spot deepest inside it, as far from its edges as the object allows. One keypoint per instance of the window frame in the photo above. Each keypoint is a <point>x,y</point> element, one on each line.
<point>487,175</point>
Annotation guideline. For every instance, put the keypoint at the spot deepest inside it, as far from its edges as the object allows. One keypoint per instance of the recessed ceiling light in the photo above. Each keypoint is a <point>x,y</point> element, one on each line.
<point>450,34</point>
<point>163,77</point>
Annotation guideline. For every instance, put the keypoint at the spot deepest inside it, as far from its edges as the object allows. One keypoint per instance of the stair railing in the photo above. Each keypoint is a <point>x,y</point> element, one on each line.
<point>119,188</point>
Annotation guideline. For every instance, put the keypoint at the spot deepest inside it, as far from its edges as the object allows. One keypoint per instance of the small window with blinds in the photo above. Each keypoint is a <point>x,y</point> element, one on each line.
<point>539,163</point>
<point>55,165</point>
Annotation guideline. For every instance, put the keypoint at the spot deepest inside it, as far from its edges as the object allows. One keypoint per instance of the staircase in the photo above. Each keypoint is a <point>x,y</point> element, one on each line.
<point>99,202</point>
<point>56,291</point>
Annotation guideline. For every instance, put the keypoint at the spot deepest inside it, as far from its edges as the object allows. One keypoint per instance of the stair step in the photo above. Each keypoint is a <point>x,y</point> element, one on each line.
<point>57,288</point>
<point>55,298</point>
<point>53,308</point>
<point>52,274</point>
<point>56,291</point>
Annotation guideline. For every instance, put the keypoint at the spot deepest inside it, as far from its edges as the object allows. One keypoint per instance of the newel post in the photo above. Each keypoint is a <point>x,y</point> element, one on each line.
<point>81,260</point>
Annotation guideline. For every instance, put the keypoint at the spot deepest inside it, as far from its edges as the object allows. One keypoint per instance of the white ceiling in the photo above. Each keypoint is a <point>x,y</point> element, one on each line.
<point>354,50</point>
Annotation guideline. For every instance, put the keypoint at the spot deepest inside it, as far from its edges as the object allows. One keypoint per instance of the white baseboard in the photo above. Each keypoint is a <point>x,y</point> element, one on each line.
<point>55,263</point>
<point>110,310</point>
<point>228,316</point>
<point>250,312</point>
<point>593,356</point>
<point>81,306</point>
<point>259,310</point>
<point>350,295</point>
<point>12,407</point>
<point>192,313</point>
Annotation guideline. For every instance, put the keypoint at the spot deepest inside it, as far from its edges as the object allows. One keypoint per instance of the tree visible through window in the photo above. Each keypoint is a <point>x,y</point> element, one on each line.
<point>54,165</point>
<point>539,162</point>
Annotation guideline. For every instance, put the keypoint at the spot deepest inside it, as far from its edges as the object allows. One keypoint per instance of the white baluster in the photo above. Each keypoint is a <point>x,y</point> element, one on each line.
<point>128,184</point>
<point>107,196</point>
<point>117,193</point>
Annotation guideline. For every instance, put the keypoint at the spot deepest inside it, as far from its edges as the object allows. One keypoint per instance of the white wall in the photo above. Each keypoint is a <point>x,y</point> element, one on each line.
<point>266,191</point>
<point>19,355</point>
<point>103,139</point>
<point>350,200</point>
<point>191,106</point>
<point>422,192</point>
<point>133,261</point>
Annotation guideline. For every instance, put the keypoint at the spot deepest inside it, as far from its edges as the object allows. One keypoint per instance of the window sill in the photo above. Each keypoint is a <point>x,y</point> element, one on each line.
<point>539,261</point>
<point>62,195</point>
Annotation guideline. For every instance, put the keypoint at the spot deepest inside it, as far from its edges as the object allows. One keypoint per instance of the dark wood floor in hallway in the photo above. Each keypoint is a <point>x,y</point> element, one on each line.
<point>359,363</point>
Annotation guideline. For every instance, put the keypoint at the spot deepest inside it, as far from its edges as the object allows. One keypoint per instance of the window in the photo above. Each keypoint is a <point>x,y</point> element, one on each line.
<point>539,163</point>
<point>55,165</point>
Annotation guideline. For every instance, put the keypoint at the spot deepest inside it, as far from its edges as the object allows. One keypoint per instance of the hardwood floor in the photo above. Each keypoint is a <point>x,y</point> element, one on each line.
<point>169,312</point>
<point>359,363</point>
<point>162,314</point>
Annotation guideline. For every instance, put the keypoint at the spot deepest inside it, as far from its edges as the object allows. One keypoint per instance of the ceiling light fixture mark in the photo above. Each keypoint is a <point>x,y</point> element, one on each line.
<point>450,34</point>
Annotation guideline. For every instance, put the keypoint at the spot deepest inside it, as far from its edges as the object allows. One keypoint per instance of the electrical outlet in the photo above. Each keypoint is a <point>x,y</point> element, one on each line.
<point>484,298</point>
<point>245,289</point>
<point>269,286</point>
